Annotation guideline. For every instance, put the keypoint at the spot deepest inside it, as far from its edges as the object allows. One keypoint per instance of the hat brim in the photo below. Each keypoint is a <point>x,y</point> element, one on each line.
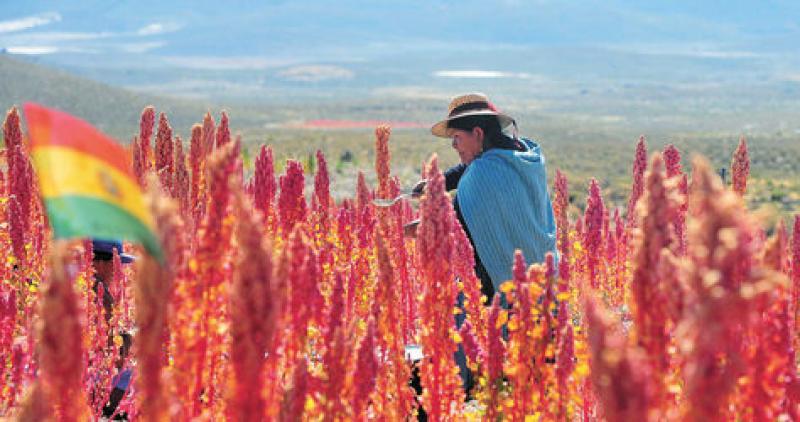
<point>126,258</point>
<point>440,129</point>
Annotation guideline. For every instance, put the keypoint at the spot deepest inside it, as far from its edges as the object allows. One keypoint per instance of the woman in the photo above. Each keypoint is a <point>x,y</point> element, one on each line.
<point>502,200</point>
<point>103,263</point>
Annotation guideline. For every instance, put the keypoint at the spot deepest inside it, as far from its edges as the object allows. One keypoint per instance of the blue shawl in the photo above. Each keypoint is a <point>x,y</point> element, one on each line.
<point>504,202</point>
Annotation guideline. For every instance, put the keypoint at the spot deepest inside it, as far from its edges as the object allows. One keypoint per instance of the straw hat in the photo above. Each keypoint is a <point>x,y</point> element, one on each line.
<point>475,104</point>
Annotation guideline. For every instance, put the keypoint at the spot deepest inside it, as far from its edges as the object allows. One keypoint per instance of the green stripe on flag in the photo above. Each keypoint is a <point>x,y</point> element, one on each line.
<point>83,216</point>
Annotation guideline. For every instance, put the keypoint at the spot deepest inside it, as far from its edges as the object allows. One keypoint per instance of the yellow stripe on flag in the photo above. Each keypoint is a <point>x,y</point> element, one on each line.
<point>66,171</point>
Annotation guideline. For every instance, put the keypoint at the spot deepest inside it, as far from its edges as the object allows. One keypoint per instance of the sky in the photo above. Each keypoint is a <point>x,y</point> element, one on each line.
<point>235,46</point>
<point>275,32</point>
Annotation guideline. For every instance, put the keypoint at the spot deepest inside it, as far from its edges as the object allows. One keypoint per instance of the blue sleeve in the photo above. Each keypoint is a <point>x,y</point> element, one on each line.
<point>123,380</point>
<point>453,175</point>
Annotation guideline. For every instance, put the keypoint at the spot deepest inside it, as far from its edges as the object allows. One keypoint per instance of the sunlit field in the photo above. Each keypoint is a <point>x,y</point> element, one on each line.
<point>284,299</point>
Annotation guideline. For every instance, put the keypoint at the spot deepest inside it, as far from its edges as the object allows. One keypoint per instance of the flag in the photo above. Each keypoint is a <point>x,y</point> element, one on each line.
<point>86,181</point>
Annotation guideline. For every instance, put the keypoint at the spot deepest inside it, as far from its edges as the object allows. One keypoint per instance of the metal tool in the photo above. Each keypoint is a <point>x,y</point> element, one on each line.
<point>384,202</point>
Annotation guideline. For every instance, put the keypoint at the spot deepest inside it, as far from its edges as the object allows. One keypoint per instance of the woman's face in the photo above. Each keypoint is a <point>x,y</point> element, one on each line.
<point>468,144</point>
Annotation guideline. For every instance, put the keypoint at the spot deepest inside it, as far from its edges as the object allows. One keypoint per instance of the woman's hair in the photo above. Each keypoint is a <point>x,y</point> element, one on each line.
<point>493,133</point>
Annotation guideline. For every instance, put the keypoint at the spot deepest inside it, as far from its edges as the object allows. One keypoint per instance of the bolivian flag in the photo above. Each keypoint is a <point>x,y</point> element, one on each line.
<point>86,181</point>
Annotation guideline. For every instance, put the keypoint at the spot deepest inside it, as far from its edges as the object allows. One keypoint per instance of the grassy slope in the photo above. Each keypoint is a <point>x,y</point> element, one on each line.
<point>113,110</point>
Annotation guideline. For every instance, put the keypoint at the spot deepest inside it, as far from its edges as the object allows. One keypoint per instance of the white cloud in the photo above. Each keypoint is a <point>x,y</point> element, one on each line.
<point>479,74</point>
<point>29,22</point>
<point>153,28</point>
<point>47,49</point>
<point>57,37</point>
<point>49,42</point>
<point>32,50</point>
<point>158,28</point>
<point>49,37</point>
<point>716,54</point>
<point>694,50</point>
<point>141,47</point>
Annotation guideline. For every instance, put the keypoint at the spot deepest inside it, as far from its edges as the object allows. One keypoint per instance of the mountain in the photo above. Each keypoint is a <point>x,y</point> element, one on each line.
<point>113,110</point>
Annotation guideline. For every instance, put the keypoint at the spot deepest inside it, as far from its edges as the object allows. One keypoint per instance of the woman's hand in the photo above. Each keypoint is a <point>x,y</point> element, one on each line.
<point>419,188</point>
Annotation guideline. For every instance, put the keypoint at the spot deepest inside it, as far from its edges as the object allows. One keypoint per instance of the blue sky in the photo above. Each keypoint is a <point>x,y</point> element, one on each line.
<point>246,48</point>
<point>297,30</point>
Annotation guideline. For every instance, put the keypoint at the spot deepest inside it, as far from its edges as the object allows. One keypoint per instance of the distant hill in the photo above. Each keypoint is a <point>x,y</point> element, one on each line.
<point>116,111</point>
<point>113,110</point>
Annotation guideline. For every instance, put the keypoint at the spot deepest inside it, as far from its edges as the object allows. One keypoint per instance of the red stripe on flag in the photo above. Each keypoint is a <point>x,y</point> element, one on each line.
<point>50,127</point>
